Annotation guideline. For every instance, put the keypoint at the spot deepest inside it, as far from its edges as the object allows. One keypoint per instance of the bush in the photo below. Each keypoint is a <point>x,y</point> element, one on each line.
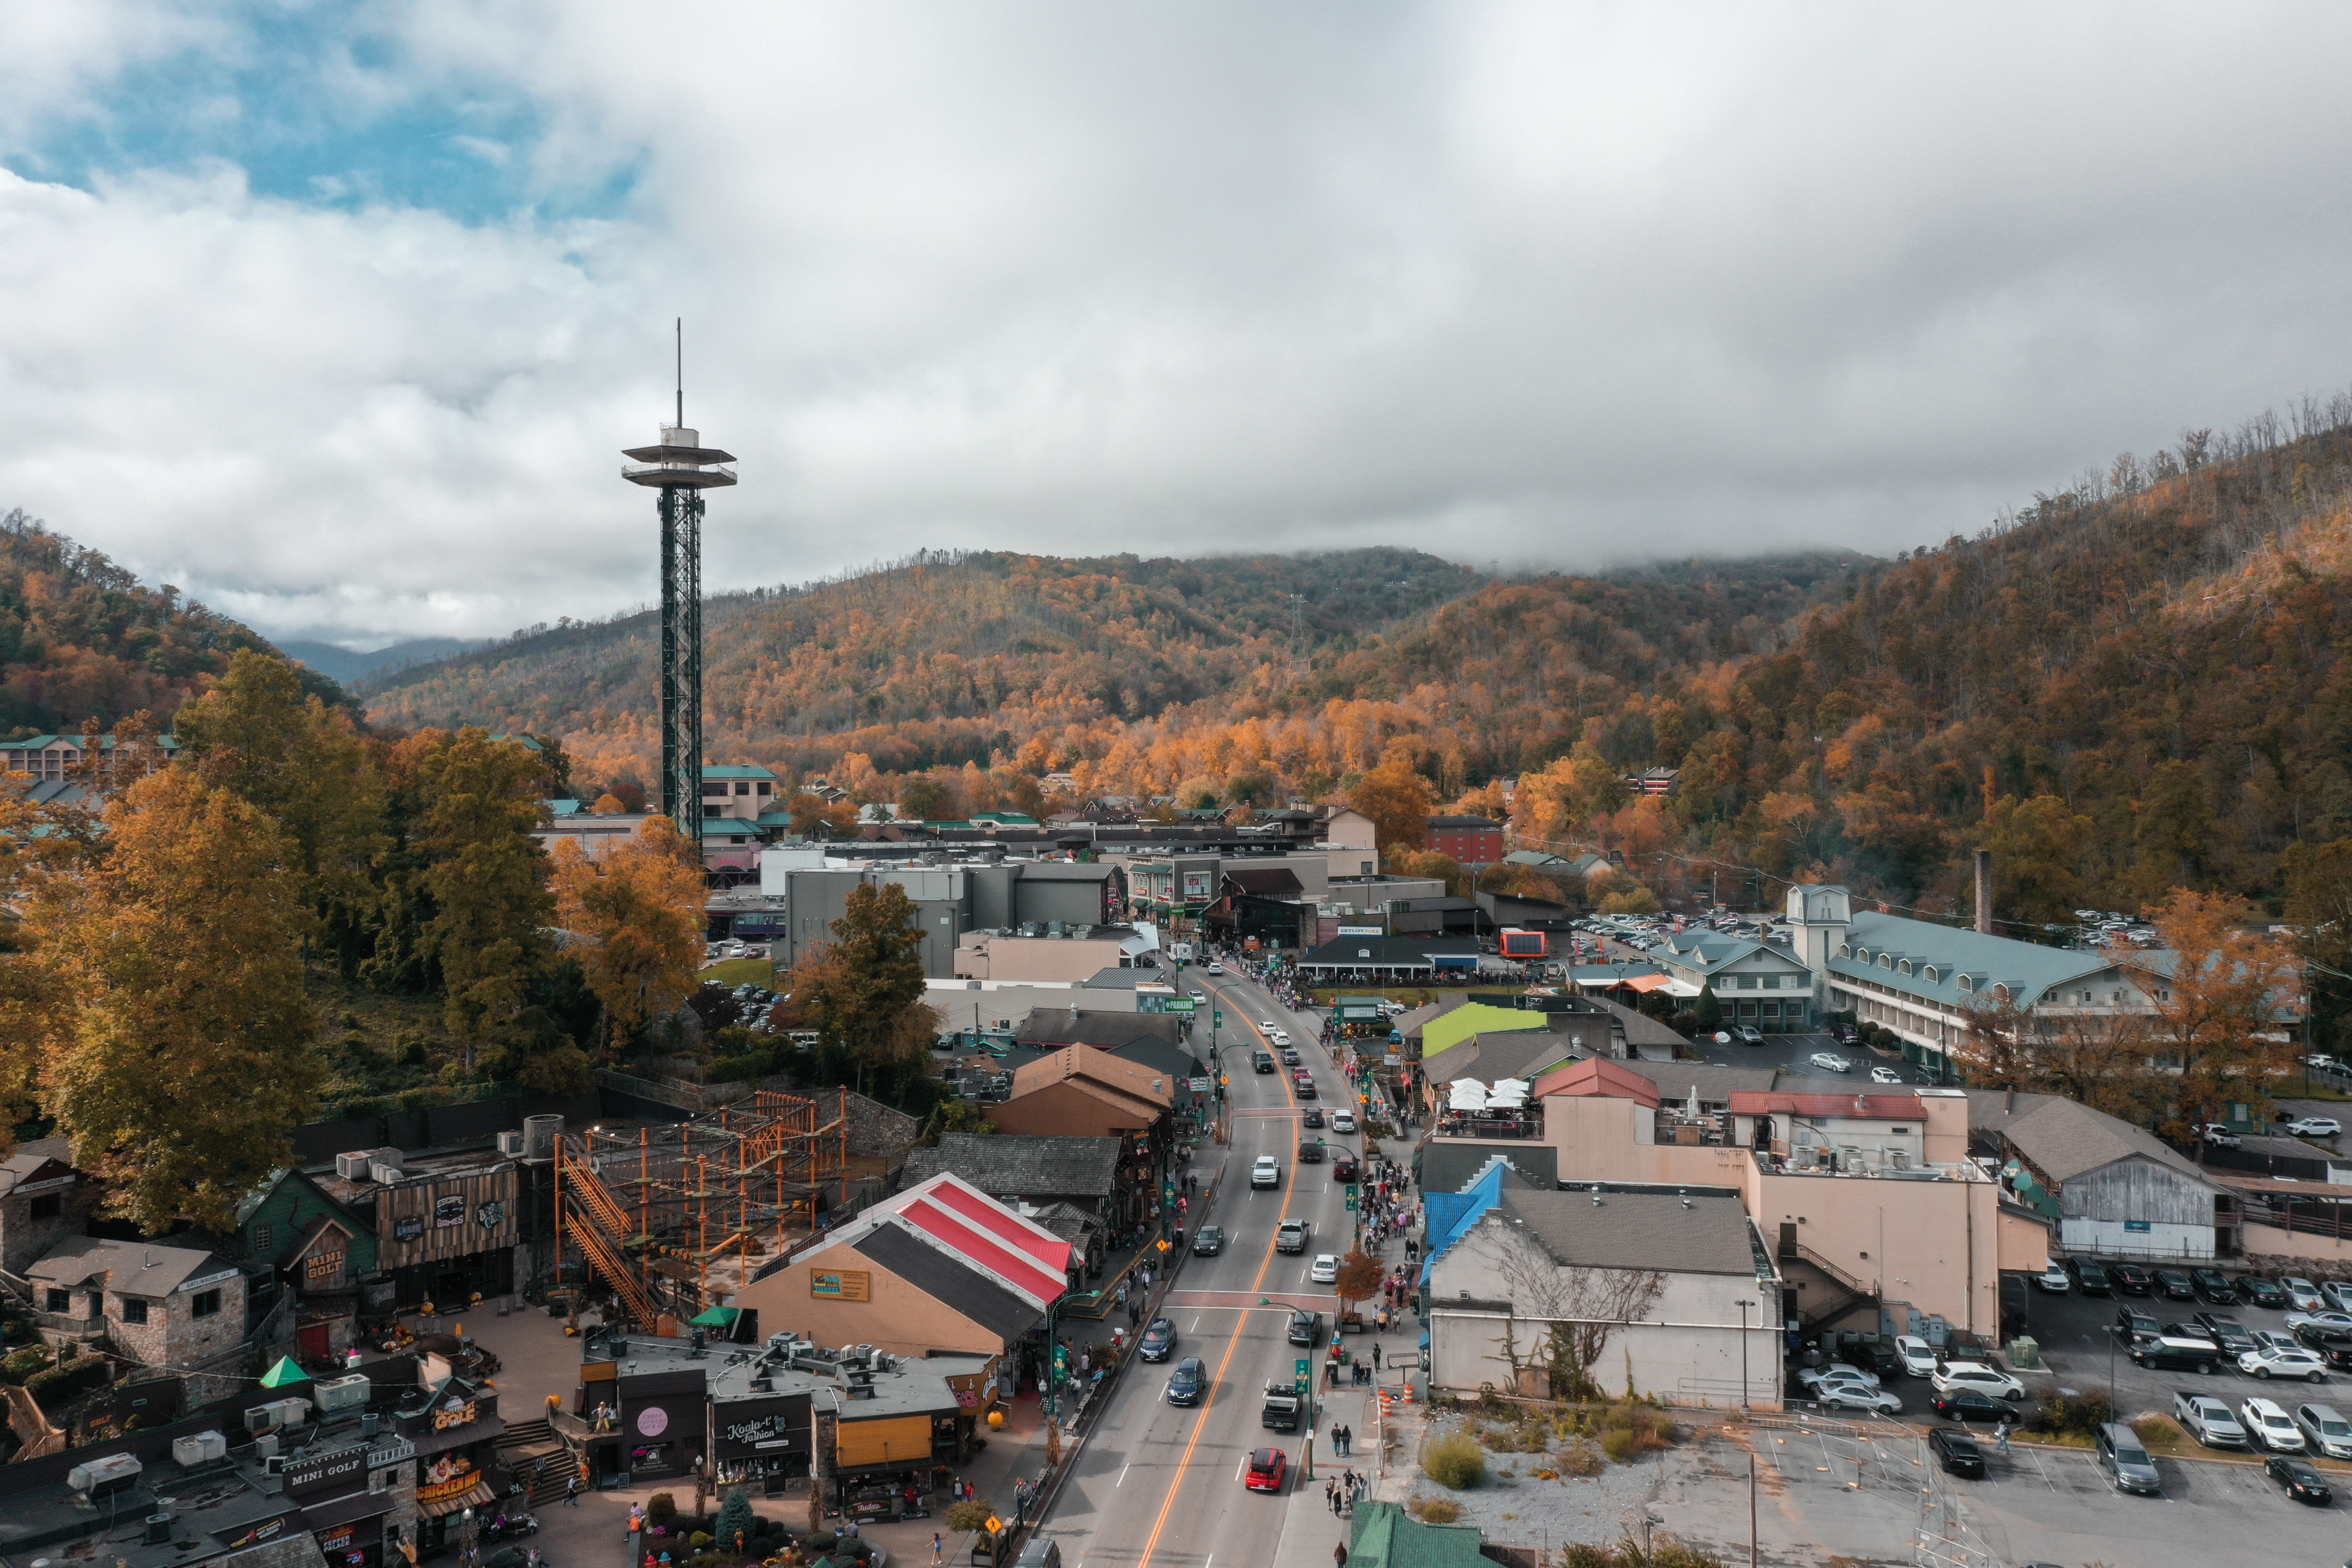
<point>2071,1414</point>
<point>1454,1461</point>
<point>1621,1444</point>
<point>1581,1458</point>
<point>52,1389</point>
<point>2157,1429</point>
<point>660,1508</point>
<point>969,1515</point>
<point>1437,1510</point>
<point>24,1364</point>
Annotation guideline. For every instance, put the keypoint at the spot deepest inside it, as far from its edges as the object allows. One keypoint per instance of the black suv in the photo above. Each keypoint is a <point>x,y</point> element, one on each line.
<point>2135,1324</point>
<point>1305,1328</point>
<point>1187,1383</point>
<point>1210,1242</point>
<point>2228,1332</point>
<point>2090,1280</point>
<point>2215,1287</point>
<point>1159,1340</point>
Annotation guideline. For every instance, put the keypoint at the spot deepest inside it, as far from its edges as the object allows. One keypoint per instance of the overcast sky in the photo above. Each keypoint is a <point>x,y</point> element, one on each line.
<point>338,315</point>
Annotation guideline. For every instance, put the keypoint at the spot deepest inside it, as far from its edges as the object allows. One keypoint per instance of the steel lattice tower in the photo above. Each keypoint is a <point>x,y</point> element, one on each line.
<point>681,467</point>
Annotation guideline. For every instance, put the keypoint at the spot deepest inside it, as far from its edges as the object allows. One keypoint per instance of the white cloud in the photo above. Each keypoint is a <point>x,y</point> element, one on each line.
<point>1527,282</point>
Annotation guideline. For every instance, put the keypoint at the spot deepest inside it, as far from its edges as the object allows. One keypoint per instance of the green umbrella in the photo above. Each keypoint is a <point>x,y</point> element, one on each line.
<point>285,1374</point>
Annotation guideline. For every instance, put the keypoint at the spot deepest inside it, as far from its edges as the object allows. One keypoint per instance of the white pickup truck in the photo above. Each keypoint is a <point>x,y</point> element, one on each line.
<point>2208,1420</point>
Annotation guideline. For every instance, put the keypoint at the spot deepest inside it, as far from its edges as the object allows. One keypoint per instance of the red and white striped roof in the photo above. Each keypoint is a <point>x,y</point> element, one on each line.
<point>951,1213</point>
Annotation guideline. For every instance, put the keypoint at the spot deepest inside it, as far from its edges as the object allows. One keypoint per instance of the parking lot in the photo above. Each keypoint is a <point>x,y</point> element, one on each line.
<point>2082,1353</point>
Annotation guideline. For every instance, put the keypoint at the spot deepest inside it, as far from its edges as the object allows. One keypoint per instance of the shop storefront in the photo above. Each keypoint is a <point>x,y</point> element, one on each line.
<point>762,1441</point>
<point>446,1239</point>
<point>662,1424</point>
<point>345,1503</point>
<point>455,1430</point>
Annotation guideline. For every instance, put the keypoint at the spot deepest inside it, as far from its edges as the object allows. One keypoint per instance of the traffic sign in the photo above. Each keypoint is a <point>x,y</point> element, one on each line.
<point>1352,1202</point>
<point>994,1524</point>
<point>1179,1004</point>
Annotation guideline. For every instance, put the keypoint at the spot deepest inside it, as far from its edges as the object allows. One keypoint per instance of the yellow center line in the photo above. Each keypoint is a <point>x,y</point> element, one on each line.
<point>1184,1459</point>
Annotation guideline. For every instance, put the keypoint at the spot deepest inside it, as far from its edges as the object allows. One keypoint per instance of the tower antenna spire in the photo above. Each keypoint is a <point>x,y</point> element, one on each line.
<point>681,372</point>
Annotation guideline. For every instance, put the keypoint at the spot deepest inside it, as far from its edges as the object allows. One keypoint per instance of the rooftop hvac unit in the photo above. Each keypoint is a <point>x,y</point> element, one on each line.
<point>296,1411</point>
<point>264,1418</point>
<point>343,1393</point>
<point>1899,1158</point>
<point>159,1529</point>
<point>369,1421</point>
<point>100,1475</point>
<point>264,1447</point>
<point>383,1173</point>
<point>353,1167</point>
<point>510,1145</point>
<point>189,1452</point>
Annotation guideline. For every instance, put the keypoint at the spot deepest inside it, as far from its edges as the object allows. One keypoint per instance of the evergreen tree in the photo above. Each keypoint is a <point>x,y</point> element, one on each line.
<point>1709,1011</point>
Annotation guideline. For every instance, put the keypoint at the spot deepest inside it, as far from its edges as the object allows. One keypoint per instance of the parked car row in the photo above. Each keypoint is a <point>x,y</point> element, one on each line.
<point>2085,1276</point>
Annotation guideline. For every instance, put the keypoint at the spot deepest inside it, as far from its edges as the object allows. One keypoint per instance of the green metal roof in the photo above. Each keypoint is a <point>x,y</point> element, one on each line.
<point>736,771</point>
<point>2031,971</point>
<point>1382,1535</point>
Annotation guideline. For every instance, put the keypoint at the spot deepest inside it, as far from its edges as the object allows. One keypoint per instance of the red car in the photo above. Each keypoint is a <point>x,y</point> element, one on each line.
<point>1267,1469</point>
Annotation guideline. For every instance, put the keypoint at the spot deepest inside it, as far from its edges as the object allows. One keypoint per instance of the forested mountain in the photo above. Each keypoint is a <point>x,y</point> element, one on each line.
<point>82,638</point>
<point>981,656</point>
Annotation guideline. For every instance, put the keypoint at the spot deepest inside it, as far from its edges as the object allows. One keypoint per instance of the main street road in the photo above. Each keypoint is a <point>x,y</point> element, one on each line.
<point>1159,1486</point>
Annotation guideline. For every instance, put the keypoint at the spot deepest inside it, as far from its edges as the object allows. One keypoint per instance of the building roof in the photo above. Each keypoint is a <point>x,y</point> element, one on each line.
<point>1540,859</point>
<point>1068,871</point>
<point>1454,1165</point>
<point>1388,951</point>
<point>1705,1233</point>
<point>1011,1165</point>
<point>1466,822</point>
<point>2064,1137</point>
<point>1265,881</point>
<point>1443,1034</point>
<point>1159,1057</point>
<point>1638,1027</point>
<point>1828,1107</point>
<point>1597,1076</point>
<point>1409,1024</point>
<point>1715,1085</point>
<point>952,1281</point>
<point>736,771</point>
<point>2028,969</point>
<point>1058,1026</point>
<point>1382,1535</point>
<point>1100,1073</point>
<point>1511,1054</point>
<point>131,1267</point>
<point>1712,951</point>
<point>953,1214</point>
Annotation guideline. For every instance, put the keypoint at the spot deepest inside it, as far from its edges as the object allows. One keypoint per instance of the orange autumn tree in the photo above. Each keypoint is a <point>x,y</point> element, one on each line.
<point>636,913</point>
<point>2219,993</point>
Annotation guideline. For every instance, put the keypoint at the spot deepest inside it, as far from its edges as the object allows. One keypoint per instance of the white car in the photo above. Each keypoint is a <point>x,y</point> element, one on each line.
<point>1918,1355</point>
<point>2326,1318</point>
<point>1216,969</point>
<point>1836,1371</point>
<point>2314,1127</point>
<point>1830,1061</point>
<point>1282,1036</point>
<point>2272,1362</point>
<point>1325,1269</point>
<point>2268,1423</point>
<point>2301,1295</point>
<point>2055,1279</point>
<point>1343,1121</point>
<point>1266,1173</point>
<point>2337,1293</point>
<point>1857,1396</point>
<point>1976,1378</point>
<point>2220,1136</point>
<point>1268,1025</point>
<point>1884,1075</point>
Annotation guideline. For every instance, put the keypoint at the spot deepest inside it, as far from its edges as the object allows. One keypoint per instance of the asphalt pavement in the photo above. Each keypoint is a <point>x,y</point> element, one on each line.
<point>1159,1486</point>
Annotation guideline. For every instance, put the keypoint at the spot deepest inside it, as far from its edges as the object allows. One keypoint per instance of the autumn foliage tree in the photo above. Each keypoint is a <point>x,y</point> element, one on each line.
<point>864,990</point>
<point>2216,1027</point>
<point>637,910</point>
<point>486,876</point>
<point>185,1062</point>
<point>1398,801</point>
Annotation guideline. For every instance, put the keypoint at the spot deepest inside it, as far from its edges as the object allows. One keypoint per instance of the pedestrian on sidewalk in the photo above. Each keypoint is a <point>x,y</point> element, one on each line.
<point>1331,1493</point>
<point>2001,1432</point>
<point>938,1550</point>
<point>571,1493</point>
<point>1338,1557</point>
<point>1376,1346</point>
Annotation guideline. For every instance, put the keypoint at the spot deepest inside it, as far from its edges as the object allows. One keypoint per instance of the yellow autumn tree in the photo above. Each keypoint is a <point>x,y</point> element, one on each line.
<point>185,1062</point>
<point>636,913</point>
